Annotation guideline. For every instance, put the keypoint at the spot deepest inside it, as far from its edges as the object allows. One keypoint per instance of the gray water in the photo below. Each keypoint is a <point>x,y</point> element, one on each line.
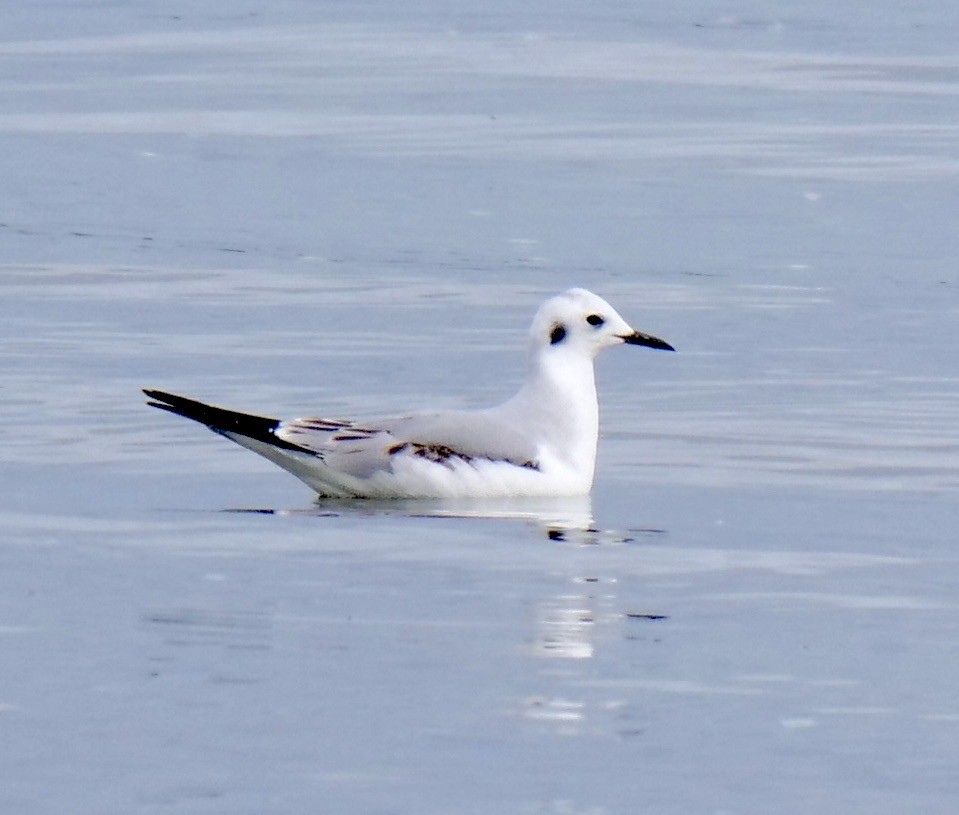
<point>350,210</point>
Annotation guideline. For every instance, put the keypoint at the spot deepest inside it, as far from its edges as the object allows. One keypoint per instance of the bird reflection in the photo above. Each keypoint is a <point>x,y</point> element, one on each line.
<point>560,517</point>
<point>568,624</point>
<point>564,627</point>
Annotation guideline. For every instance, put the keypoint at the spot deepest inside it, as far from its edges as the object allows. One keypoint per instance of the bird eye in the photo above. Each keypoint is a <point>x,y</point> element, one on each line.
<point>595,319</point>
<point>557,334</point>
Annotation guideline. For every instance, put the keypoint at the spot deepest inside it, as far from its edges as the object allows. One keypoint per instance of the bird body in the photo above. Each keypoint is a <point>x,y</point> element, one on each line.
<point>541,442</point>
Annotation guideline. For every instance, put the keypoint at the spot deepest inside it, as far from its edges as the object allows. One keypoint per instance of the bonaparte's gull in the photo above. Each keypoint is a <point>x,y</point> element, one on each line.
<point>540,442</point>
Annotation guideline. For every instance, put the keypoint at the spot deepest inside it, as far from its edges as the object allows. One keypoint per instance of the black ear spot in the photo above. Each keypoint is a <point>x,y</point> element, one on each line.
<point>557,334</point>
<point>595,319</point>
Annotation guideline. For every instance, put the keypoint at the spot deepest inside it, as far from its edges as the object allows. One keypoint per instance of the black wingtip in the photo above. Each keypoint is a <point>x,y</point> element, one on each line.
<point>222,420</point>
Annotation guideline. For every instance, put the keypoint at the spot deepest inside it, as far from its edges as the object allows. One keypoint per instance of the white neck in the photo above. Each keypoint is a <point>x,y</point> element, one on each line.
<point>559,400</point>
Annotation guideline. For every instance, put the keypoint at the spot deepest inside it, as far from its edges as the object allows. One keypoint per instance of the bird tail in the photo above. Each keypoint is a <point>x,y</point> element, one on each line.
<point>230,423</point>
<point>258,433</point>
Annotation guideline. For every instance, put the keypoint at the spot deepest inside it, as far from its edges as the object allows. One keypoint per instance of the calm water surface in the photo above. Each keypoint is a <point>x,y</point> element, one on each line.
<point>357,213</point>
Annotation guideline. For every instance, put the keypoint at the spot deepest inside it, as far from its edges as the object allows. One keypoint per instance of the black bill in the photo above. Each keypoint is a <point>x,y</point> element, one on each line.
<point>639,338</point>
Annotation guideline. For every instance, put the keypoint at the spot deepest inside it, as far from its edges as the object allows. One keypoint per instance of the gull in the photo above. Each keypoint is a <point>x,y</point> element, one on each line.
<point>541,442</point>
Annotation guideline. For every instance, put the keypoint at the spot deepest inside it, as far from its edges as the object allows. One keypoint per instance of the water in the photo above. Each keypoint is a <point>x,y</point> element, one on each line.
<point>357,210</point>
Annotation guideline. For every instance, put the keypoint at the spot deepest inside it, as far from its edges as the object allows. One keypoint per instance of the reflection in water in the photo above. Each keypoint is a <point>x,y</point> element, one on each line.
<point>556,514</point>
<point>554,710</point>
<point>564,627</point>
<point>567,519</point>
<point>559,516</point>
<point>566,624</point>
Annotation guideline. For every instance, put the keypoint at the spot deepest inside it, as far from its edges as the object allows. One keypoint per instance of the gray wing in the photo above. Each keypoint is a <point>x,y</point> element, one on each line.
<point>362,449</point>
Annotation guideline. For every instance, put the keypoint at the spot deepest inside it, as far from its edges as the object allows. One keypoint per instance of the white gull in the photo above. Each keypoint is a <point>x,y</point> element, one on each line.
<point>541,442</point>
